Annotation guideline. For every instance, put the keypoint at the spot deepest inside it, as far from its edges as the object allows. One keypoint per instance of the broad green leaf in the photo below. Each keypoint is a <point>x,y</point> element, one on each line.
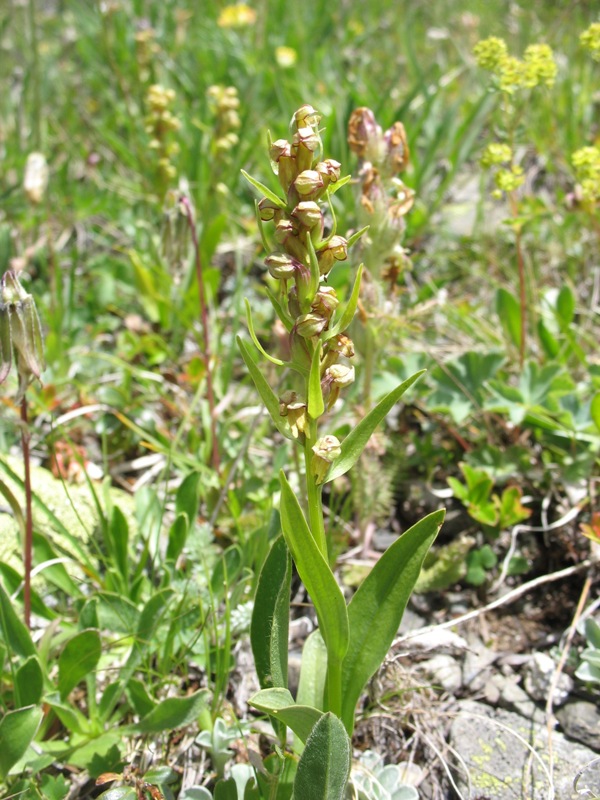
<point>188,496</point>
<point>565,307</point>
<point>174,712</point>
<point>357,439</point>
<point>29,682</point>
<point>592,632</point>
<point>315,405</point>
<point>509,311</point>
<point>280,704</point>
<point>324,766</point>
<point>267,394</point>
<point>14,632</point>
<point>17,729</point>
<point>119,537</point>
<point>376,610</point>
<point>313,671</point>
<point>315,574</point>
<point>138,696</point>
<point>116,613</point>
<point>178,533</point>
<point>547,340</point>
<point>270,617</point>
<point>78,659</point>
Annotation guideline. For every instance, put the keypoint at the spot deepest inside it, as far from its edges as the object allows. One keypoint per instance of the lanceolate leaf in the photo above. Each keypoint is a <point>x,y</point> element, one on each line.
<point>324,766</point>
<point>280,704</point>
<point>270,617</point>
<point>350,310</point>
<point>357,439</point>
<point>264,190</point>
<point>12,630</point>
<point>375,611</point>
<point>78,659</point>
<point>267,394</point>
<point>315,574</point>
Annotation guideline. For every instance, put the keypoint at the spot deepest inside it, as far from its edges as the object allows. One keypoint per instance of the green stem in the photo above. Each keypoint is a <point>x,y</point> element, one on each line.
<point>334,686</point>
<point>314,496</point>
<point>28,543</point>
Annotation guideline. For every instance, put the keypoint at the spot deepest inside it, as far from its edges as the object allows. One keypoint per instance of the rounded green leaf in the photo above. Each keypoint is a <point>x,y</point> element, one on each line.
<point>79,657</point>
<point>17,729</point>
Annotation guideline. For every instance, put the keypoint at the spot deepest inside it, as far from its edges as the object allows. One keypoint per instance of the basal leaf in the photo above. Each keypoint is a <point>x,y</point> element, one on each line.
<point>17,729</point>
<point>315,574</point>
<point>280,704</point>
<point>270,617</point>
<point>324,766</point>
<point>376,610</point>
<point>79,657</point>
<point>357,439</point>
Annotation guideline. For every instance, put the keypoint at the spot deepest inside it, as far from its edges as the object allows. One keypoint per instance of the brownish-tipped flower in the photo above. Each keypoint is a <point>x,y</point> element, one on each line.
<point>396,146</point>
<point>309,184</point>
<point>306,116</point>
<point>336,250</point>
<point>20,333</point>
<point>308,325</point>
<point>281,266</point>
<point>364,134</point>
<point>340,345</point>
<point>336,377</point>
<point>309,215</point>
<point>325,302</point>
<point>329,170</point>
<point>326,450</point>
<point>295,412</point>
<point>268,210</point>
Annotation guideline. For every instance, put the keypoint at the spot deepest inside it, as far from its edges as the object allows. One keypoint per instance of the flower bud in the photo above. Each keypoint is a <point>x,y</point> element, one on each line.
<point>286,234</point>
<point>20,332</point>
<point>35,181</point>
<point>329,170</point>
<point>308,325</point>
<point>309,215</point>
<point>295,413</point>
<point>309,184</point>
<point>267,210</point>
<point>396,147</point>
<point>306,116</point>
<point>336,250</point>
<point>325,302</point>
<point>281,266</point>
<point>326,450</point>
<point>283,163</point>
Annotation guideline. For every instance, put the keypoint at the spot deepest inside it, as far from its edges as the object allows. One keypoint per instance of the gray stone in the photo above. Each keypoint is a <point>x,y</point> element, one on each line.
<point>507,757</point>
<point>539,674</point>
<point>580,720</point>
<point>444,671</point>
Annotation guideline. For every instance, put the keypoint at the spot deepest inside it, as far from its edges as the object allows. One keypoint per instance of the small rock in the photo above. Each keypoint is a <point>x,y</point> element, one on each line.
<point>539,674</point>
<point>445,672</point>
<point>504,753</point>
<point>580,720</point>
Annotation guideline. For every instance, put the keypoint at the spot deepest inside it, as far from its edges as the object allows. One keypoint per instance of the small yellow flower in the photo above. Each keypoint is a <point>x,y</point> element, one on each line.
<point>586,161</point>
<point>490,53</point>
<point>507,180</point>
<point>590,40</point>
<point>239,15</point>
<point>285,57</point>
<point>495,154</point>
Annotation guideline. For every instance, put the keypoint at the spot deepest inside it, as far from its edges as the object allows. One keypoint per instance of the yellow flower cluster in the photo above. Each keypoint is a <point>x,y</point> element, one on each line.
<point>590,39</point>
<point>586,161</point>
<point>537,67</point>
<point>160,122</point>
<point>508,178</point>
<point>239,15</point>
<point>225,103</point>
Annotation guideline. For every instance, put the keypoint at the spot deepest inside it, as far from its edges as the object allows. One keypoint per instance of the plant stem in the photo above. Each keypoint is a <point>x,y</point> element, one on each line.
<point>314,498</point>
<point>28,543</point>
<point>334,686</point>
<point>205,331</point>
<point>36,125</point>
<point>522,287</point>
